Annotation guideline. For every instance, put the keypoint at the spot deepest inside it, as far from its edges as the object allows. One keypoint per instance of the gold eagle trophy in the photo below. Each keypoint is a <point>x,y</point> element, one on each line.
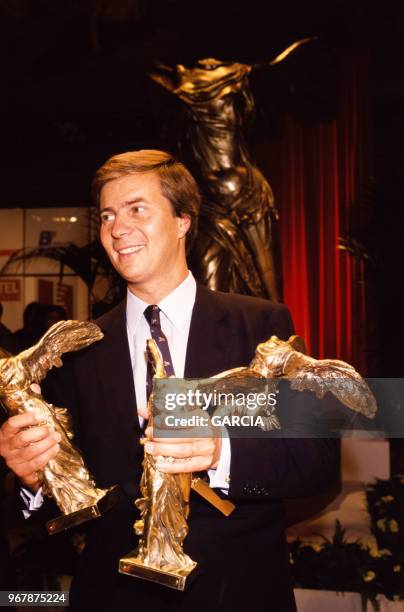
<point>65,477</point>
<point>164,505</point>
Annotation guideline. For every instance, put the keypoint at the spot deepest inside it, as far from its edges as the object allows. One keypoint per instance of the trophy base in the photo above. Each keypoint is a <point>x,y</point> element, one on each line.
<point>178,580</point>
<point>66,521</point>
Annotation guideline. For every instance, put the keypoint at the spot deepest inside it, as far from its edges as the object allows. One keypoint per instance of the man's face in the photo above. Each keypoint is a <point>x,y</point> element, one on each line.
<point>143,238</point>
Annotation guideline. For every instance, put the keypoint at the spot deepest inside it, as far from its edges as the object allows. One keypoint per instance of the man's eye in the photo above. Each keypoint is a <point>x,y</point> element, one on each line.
<point>137,209</point>
<point>106,217</point>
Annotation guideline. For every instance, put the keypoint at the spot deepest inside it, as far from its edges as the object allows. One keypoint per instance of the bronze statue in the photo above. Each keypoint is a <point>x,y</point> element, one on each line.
<point>165,497</point>
<point>65,477</point>
<point>233,249</point>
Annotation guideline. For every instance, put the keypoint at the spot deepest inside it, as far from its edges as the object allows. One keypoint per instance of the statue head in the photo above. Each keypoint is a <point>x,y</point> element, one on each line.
<point>271,357</point>
<point>208,79</point>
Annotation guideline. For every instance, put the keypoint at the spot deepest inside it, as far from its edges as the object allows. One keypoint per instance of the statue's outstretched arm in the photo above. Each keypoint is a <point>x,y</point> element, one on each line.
<point>284,54</point>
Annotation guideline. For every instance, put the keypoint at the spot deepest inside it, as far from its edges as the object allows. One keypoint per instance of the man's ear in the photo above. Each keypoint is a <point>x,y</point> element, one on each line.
<point>184,223</point>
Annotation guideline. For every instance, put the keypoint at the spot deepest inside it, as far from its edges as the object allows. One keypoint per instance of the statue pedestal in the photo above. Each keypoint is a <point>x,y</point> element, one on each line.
<point>175,579</point>
<point>65,521</point>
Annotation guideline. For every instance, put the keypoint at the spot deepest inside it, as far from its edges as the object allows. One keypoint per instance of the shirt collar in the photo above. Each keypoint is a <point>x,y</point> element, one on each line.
<point>177,305</point>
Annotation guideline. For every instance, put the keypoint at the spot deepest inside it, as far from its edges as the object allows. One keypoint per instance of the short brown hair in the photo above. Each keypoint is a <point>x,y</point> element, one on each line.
<point>176,182</point>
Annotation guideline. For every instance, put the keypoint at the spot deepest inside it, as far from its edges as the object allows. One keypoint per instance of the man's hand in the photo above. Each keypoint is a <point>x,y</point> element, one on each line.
<point>185,454</point>
<point>27,446</point>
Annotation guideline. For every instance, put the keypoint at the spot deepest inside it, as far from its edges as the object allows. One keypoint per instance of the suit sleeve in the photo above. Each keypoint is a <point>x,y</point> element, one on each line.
<point>281,467</point>
<point>265,468</point>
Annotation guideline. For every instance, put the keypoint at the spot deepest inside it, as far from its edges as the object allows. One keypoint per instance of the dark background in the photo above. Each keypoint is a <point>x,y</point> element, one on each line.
<point>75,90</point>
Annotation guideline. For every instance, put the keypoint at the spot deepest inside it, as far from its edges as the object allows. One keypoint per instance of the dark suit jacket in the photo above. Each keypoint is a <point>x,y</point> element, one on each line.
<point>242,558</point>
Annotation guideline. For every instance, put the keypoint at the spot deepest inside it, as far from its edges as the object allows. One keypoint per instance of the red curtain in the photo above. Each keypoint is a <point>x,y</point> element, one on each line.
<point>318,172</point>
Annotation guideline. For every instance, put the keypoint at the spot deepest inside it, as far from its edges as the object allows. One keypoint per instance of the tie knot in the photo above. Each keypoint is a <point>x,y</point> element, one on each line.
<point>152,315</point>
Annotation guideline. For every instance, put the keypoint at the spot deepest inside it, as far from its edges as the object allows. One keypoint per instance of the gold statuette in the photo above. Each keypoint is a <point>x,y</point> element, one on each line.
<point>277,359</point>
<point>65,477</point>
<point>164,509</point>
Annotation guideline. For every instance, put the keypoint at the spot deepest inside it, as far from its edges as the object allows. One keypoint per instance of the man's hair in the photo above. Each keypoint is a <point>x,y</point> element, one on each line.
<point>176,182</point>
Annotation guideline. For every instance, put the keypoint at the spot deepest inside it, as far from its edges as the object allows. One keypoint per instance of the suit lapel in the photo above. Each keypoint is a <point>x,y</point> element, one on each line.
<point>211,338</point>
<point>210,349</point>
<point>115,370</point>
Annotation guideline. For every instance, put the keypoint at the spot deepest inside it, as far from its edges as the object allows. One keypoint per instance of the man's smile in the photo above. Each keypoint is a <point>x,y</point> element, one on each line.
<point>129,250</point>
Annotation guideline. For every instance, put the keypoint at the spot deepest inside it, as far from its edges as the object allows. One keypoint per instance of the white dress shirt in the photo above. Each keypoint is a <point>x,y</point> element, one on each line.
<point>175,317</point>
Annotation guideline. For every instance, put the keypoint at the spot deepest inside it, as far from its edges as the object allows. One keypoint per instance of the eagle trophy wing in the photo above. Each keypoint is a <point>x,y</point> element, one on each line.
<point>62,337</point>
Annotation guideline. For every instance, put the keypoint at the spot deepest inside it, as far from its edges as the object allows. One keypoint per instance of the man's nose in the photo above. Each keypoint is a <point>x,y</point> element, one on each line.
<point>121,226</point>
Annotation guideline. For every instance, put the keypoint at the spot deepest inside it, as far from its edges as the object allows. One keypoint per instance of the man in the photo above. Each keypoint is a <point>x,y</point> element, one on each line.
<point>148,207</point>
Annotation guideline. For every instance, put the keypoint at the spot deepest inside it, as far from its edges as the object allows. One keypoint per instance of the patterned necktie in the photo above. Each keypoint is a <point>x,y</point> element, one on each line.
<point>152,314</point>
